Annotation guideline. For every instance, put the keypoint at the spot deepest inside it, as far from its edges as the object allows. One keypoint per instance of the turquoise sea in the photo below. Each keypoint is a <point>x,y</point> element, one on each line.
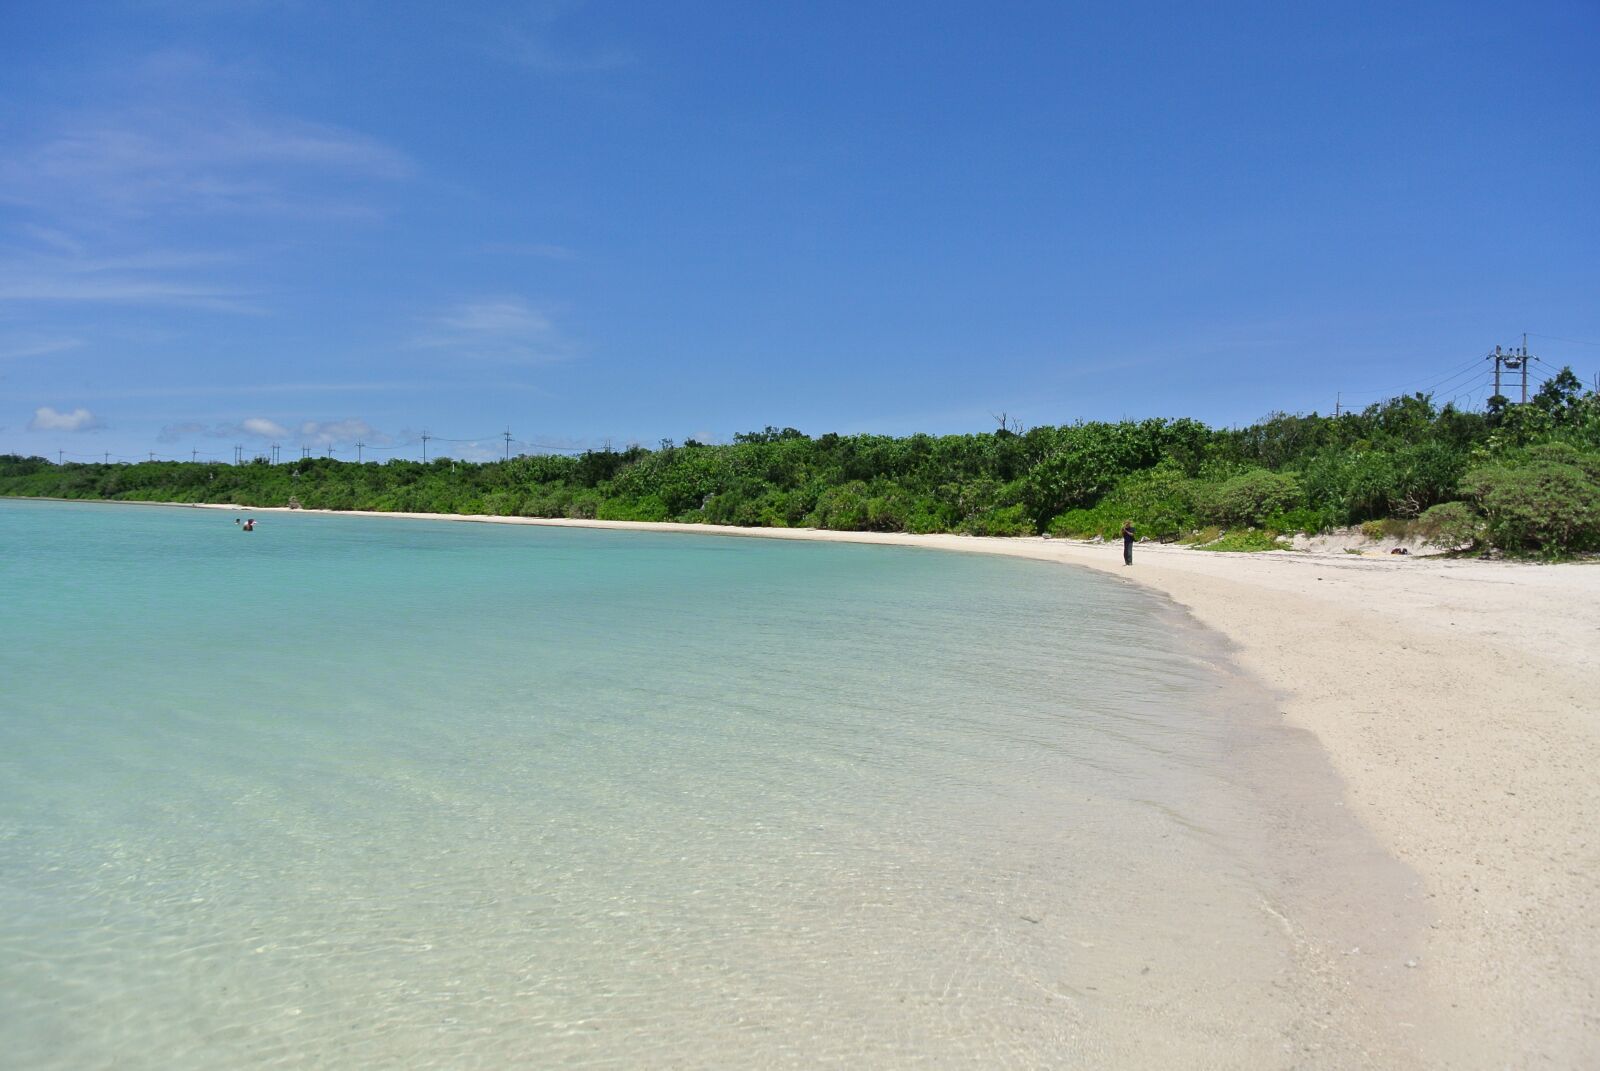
<point>369,792</point>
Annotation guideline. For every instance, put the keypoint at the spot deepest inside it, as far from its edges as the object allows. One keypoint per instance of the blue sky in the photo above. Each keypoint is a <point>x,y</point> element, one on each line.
<point>248,222</point>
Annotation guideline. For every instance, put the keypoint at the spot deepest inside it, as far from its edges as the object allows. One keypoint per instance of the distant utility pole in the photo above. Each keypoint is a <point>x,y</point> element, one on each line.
<point>108,457</point>
<point>238,453</point>
<point>1516,360</point>
<point>330,450</point>
<point>508,444</point>
<point>274,453</point>
<point>152,455</point>
<point>425,437</point>
<point>359,445</point>
<point>194,455</point>
<point>1338,399</point>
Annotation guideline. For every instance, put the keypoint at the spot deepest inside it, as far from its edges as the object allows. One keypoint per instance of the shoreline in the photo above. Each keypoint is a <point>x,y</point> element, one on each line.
<point>1454,698</point>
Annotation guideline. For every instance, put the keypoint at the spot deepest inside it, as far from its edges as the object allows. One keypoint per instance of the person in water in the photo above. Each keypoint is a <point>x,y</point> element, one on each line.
<point>250,525</point>
<point>1127,542</point>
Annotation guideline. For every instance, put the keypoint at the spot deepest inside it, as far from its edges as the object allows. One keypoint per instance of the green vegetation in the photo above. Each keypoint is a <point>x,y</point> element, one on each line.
<point>1523,479</point>
<point>1243,539</point>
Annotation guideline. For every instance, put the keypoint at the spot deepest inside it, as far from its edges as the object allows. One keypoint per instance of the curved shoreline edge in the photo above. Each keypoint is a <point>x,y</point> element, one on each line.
<point>1456,699</point>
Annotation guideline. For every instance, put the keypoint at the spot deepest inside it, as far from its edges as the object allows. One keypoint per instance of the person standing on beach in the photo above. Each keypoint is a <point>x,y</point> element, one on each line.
<point>1127,542</point>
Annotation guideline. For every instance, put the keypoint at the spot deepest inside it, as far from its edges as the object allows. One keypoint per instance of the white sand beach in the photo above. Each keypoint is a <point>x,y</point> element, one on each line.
<point>1457,700</point>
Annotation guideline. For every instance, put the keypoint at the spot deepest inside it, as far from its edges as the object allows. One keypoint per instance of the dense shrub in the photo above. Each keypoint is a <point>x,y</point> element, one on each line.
<point>1244,539</point>
<point>842,508</point>
<point>1249,498</point>
<point>1544,501</point>
<point>1305,519</point>
<point>1006,521</point>
<point>1159,502</point>
<point>1451,526</point>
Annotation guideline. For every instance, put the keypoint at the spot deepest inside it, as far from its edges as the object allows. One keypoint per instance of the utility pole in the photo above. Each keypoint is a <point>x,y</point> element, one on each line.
<point>152,455</point>
<point>61,458</point>
<point>1337,400</point>
<point>359,445</point>
<point>1516,360</point>
<point>425,438</point>
<point>1525,363</point>
<point>508,444</point>
<point>194,455</point>
<point>108,457</point>
<point>330,451</point>
<point>274,453</point>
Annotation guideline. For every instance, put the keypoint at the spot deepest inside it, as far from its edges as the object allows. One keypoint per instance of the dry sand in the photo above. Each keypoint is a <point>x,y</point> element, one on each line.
<point>1460,703</point>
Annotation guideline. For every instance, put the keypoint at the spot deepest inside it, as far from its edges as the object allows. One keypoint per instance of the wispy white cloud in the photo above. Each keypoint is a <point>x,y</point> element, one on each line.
<point>21,346</point>
<point>536,40</point>
<point>503,316</point>
<point>194,158</point>
<point>263,429</point>
<point>470,452</point>
<point>178,149</point>
<point>545,250</point>
<point>349,430</point>
<point>219,390</point>
<point>57,268</point>
<point>173,433</point>
<point>47,419</point>
<point>53,238</point>
<point>68,287</point>
<point>53,265</point>
<point>500,328</point>
<point>537,52</point>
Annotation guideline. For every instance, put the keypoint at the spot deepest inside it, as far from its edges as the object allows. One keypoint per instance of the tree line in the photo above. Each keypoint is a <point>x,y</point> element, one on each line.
<point>1519,478</point>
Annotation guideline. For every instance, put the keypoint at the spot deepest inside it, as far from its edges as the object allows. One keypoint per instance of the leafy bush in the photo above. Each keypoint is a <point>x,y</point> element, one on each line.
<point>1007,521</point>
<point>1451,525</point>
<point>1307,520</point>
<point>647,508</point>
<point>1546,501</point>
<point>1249,498</point>
<point>842,509</point>
<point>1245,539</point>
<point>1159,502</point>
<point>1087,523</point>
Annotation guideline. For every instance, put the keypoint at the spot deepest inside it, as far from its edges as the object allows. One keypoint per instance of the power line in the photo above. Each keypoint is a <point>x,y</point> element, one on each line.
<point>1453,381</point>
<point>1558,338</point>
<point>1474,363</point>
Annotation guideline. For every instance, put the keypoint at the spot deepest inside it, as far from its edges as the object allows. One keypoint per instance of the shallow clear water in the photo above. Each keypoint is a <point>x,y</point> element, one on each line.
<point>357,791</point>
